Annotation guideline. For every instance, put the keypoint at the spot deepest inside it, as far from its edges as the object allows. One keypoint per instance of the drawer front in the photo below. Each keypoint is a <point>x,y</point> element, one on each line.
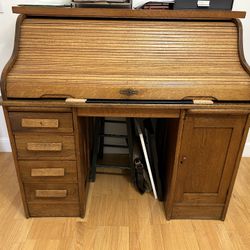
<point>44,192</point>
<point>48,171</point>
<point>209,4</point>
<point>45,146</point>
<point>41,122</point>
<point>43,209</point>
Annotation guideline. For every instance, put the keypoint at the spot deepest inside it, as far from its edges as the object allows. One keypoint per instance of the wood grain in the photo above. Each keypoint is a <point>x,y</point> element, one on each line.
<point>126,111</point>
<point>84,145</point>
<point>54,210</point>
<point>237,163</point>
<point>131,221</point>
<point>173,161</point>
<point>47,146</point>
<point>123,13</point>
<point>203,175</point>
<point>125,59</point>
<point>51,193</point>
<point>62,106</point>
<point>15,153</point>
<point>47,172</point>
<point>206,212</point>
<point>41,122</point>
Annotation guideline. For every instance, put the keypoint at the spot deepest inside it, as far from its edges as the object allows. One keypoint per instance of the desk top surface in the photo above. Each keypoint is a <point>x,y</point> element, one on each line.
<point>128,13</point>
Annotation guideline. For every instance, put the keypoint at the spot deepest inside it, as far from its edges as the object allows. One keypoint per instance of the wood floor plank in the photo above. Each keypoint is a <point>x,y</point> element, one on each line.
<point>119,218</point>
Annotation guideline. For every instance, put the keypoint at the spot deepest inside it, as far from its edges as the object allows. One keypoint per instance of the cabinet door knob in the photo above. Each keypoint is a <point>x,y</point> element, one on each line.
<point>183,159</point>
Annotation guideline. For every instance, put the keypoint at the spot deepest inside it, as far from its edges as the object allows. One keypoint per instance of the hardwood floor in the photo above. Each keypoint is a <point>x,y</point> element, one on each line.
<point>119,218</point>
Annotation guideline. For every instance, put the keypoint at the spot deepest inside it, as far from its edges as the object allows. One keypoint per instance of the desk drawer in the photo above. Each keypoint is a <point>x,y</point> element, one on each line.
<point>41,122</point>
<point>53,209</point>
<point>48,171</point>
<point>45,146</point>
<point>44,192</point>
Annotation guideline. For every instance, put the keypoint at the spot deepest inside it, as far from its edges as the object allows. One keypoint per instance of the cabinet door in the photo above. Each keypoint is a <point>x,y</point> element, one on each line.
<point>210,145</point>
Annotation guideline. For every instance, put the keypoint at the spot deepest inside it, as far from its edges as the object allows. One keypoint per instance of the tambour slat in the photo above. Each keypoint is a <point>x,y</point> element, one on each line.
<point>162,59</point>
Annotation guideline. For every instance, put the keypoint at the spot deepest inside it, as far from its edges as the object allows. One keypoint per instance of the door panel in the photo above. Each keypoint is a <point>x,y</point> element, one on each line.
<point>208,166</point>
<point>208,153</point>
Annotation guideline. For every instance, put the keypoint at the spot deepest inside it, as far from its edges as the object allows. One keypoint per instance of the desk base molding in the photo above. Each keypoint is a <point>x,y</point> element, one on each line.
<point>197,212</point>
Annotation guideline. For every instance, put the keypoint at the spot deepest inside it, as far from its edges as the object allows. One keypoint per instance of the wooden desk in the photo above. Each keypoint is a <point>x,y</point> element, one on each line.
<point>185,55</point>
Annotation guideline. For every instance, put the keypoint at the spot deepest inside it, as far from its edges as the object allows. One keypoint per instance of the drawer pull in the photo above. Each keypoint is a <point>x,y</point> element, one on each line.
<point>55,147</point>
<point>51,193</point>
<point>39,123</point>
<point>46,172</point>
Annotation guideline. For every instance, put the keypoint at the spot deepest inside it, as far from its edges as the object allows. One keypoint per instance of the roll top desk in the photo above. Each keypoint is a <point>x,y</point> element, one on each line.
<point>185,67</point>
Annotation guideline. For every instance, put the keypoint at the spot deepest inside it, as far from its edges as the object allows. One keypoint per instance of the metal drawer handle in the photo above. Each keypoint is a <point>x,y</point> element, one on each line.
<point>47,172</point>
<point>55,147</point>
<point>129,92</point>
<point>51,193</point>
<point>39,123</point>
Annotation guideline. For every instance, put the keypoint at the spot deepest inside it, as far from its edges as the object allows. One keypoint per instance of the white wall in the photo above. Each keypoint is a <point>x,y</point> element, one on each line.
<point>7,28</point>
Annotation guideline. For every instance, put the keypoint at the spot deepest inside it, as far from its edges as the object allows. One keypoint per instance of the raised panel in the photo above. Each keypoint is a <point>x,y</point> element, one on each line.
<point>208,155</point>
<point>206,158</point>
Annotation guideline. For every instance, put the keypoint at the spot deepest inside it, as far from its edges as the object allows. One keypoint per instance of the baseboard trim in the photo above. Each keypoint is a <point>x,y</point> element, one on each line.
<point>5,144</point>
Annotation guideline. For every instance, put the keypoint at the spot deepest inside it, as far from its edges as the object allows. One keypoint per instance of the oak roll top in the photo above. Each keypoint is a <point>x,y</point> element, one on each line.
<point>128,59</point>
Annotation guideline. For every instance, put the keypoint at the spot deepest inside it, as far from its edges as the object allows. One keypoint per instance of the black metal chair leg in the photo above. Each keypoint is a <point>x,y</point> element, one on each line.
<point>130,147</point>
<point>95,150</point>
<point>98,145</point>
<point>101,144</point>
